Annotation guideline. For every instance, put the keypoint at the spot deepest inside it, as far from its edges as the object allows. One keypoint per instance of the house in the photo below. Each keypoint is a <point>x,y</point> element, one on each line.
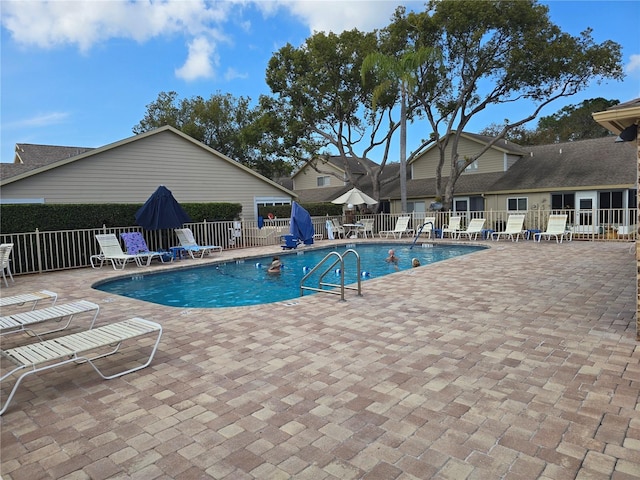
<point>623,120</point>
<point>583,175</point>
<point>322,180</point>
<point>579,176</point>
<point>130,170</point>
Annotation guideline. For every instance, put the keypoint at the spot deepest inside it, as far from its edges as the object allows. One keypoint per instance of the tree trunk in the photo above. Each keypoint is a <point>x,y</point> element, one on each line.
<point>403,151</point>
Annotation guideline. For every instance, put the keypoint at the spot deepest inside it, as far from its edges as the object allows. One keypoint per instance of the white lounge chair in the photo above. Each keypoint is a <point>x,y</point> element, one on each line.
<point>367,227</point>
<point>5,265</point>
<point>338,229</point>
<point>474,228</point>
<point>189,244</point>
<point>513,229</point>
<point>86,346</point>
<point>111,251</point>
<point>402,226</point>
<point>427,227</point>
<point>556,227</point>
<point>453,228</point>
<point>31,297</point>
<point>25,321</point>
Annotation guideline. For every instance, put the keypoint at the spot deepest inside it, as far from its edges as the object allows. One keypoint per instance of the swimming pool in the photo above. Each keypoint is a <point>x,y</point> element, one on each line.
<point>246,282</point>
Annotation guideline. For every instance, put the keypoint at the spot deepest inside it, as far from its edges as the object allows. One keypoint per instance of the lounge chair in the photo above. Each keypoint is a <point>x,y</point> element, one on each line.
<point>453,228</point>
<point>556,227</point>
<point>338,229</point>
<point>189,244</point>
<point>513,229</point>
<point>31,297</point>
<point>402,226</point>
<point>367,227</point>
<point>111,251</point>
<point>5,265</point>
<point>427,227</point>
<point>474,228</point>
<point>25,321</point>
<point>86,346</point>
<point>136,245</point>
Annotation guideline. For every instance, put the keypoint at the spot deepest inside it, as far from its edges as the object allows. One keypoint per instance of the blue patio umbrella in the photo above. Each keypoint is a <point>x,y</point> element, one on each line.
<point>301,225</point>
<point>160,211</point>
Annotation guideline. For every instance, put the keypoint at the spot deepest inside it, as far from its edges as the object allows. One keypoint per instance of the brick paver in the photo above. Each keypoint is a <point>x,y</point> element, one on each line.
<point>517,362</point>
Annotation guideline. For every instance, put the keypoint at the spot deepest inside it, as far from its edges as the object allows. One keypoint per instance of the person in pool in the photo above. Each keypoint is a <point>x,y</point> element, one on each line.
<point>415,262</point>
<point>392,259</point>
<point>275,265</point>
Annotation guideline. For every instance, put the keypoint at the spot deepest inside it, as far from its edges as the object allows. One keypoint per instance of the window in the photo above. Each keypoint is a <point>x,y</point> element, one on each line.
<point>611,205</point>
<point>324,181</point>
<point>472,167</point>
<point>517,204</point>
<point>562,201</point>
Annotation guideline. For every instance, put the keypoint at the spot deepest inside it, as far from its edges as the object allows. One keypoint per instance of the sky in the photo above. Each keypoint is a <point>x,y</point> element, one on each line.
<point>81,73</point>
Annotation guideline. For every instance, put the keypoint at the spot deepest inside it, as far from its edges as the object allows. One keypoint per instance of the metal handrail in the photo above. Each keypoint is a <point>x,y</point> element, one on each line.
<point>321,283</point>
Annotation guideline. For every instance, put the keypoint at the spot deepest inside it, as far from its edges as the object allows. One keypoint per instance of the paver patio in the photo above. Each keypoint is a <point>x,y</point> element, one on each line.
<point>518,362</point>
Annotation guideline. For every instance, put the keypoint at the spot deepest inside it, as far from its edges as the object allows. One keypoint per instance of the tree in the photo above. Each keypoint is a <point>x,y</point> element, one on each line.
<point>494,53</point>
<point>573,122</point>
<point>397,74</point>
<point>225,123</point>
<point>321,107</point>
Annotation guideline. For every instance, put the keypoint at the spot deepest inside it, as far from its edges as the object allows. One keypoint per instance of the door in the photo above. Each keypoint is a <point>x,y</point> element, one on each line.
<point>586,217</point>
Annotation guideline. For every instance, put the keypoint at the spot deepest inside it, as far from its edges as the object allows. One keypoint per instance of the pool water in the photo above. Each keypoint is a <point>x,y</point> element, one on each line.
<point>246,282</point>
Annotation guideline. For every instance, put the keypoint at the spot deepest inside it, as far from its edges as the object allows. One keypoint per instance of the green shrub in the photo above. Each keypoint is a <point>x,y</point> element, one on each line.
<point>28,218</point>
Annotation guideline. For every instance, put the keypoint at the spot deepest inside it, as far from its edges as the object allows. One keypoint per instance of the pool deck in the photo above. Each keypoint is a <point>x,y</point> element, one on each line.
<point>518,362</point>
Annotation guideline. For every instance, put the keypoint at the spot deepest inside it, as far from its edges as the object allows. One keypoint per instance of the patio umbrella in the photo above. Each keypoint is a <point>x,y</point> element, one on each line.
<point>161,211</point>
<point>355,197</point>
<point>301,225</point>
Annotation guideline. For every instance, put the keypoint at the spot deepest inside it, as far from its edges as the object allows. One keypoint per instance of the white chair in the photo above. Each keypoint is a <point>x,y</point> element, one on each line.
<point>513,229</point>
<point>31,297</point>
<point>474,228</point>
<point>452,228</point>
<point>367,227</point>
<point>556,227</point>
<point>5,262</point>
<point>87,346</point>
<point>427,227</point>
<point>338,229</point>
<point>25,321</point>
<point>402,226</point>
<point>111,251</point>
<point>189,244</point>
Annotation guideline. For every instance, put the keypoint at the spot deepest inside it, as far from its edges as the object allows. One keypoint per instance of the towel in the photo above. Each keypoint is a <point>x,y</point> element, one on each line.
<point>260,222</point>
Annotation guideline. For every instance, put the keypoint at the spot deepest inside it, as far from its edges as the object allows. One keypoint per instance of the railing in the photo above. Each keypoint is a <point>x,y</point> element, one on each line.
<point>47,251</point>
<point>338,260</point>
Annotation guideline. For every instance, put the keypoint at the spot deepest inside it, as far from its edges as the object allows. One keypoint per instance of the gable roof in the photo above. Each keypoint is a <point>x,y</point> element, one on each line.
<point>585,163</point>
<point>356,165</point>
<point>501,145</point>
<point>617,118</point>
<point>9,175</point>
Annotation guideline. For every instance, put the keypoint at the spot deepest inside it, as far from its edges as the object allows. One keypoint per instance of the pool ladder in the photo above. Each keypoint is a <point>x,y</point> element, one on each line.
<point>332,259</point>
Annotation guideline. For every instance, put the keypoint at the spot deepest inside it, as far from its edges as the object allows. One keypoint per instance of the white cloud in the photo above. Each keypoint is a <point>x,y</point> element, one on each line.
<point>232,74</point>
<point>335,15</point>
<point>634,64</point>
<point>39,120</point>
<point>200,61</point>
<point>48,24</point>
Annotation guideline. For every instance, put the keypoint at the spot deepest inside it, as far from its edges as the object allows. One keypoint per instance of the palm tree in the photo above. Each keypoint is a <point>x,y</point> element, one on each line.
<point>399,74</point>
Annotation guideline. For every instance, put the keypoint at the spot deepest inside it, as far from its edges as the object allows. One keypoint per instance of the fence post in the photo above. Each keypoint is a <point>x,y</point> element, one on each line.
<point>38,250</point>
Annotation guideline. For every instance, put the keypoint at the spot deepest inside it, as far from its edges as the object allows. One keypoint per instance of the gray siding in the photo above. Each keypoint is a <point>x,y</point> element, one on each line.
<point>307,177</point>
<point>425,165</point>
<point>130,172</point>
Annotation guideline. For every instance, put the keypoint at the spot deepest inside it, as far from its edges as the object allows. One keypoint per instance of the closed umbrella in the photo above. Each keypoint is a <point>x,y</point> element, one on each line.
<point>354,197</point>
<point>161,211</point>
